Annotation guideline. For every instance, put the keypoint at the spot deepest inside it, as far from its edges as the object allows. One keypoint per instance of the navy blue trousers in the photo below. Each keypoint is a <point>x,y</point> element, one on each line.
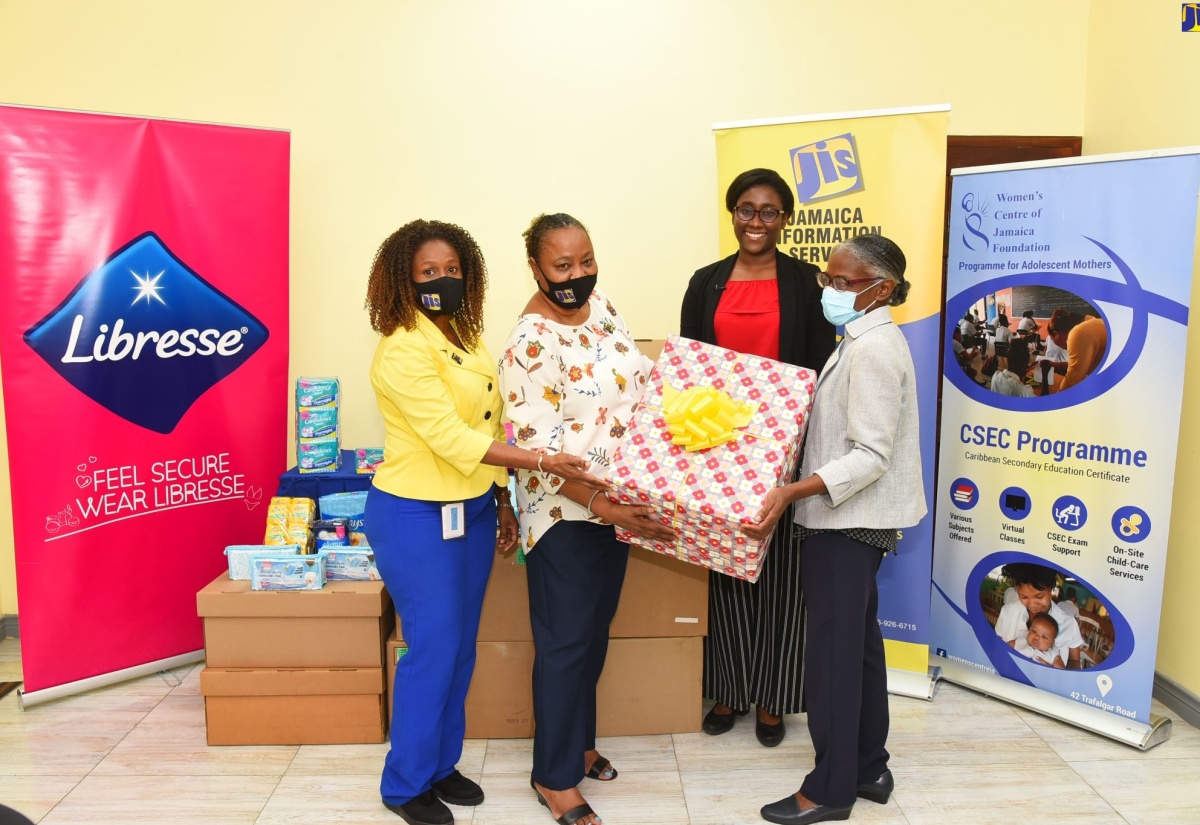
<point>845,674</point>
<point>438,586</point>
<point>575,573</point>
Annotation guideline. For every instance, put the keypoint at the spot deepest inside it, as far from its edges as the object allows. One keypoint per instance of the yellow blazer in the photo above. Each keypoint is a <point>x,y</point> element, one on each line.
<point>441,412</point>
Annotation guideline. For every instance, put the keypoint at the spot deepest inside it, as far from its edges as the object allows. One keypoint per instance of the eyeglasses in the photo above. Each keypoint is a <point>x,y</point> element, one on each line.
<point>768,214</point>
<point>840,284</point>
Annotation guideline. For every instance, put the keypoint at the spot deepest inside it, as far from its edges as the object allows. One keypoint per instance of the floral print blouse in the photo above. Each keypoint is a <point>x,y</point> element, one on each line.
<point>573,389</point>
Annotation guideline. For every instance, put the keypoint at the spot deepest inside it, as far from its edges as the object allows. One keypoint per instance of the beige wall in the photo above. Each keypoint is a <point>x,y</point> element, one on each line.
<point>487,113</point>
<point>1140,71</point>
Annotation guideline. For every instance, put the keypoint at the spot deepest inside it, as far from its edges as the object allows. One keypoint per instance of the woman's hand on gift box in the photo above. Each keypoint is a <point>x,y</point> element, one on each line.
<point>776,502</point>
<point>636,518</point>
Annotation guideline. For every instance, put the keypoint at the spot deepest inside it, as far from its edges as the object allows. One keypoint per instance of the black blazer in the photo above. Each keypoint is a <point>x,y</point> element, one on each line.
<point>806,339</point>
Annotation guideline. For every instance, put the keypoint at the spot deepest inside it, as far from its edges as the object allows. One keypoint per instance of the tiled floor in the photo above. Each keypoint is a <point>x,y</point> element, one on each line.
<point>136,753</point>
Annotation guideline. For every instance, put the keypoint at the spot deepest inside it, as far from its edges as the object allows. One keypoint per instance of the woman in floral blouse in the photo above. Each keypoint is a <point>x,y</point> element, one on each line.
<point>571,376</point>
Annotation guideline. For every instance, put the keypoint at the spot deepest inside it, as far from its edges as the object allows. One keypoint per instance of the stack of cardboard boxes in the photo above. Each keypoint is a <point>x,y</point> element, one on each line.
<point>294,667</point>
<point>652,677</point>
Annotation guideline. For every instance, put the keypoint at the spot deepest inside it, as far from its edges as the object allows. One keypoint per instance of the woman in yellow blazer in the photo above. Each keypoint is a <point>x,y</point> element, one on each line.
<point>431,513</point>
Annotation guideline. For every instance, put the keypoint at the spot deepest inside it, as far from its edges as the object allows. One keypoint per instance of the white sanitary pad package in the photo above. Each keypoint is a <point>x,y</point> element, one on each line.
<point>284,573</point>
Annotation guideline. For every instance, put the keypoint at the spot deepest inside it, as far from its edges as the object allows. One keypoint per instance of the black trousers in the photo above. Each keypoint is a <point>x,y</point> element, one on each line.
<point>575,571</point>
<point>845,681</point>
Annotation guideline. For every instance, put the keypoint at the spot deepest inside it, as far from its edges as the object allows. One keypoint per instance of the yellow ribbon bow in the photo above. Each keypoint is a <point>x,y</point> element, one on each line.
<point>703,417</point>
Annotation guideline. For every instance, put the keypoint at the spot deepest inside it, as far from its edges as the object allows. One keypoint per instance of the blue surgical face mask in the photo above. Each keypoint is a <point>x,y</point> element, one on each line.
<point>839,306</point>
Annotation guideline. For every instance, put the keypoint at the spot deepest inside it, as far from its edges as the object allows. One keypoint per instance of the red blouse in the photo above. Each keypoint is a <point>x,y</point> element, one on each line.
<point>747,318</point>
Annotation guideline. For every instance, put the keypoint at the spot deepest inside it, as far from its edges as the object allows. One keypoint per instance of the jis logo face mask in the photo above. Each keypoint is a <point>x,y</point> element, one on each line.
<point>441,296</point>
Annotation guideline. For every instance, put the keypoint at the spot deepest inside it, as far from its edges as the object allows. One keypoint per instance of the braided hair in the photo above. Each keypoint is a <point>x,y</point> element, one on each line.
<point>543,225</point>
<point>391,300</point>
<point>883,259</point>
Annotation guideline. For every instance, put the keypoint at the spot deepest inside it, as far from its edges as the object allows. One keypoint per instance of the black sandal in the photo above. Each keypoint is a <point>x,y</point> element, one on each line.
<point>570,817</point>
<point>599,767</point>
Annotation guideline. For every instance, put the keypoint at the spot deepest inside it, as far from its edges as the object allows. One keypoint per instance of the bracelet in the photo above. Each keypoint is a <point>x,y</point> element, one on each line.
<point>507,504</point>
<point>540,457</point>
<point>589,504</point>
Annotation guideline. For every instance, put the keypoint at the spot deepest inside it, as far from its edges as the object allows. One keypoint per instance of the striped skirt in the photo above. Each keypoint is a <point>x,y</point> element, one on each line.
<point>754,652</point>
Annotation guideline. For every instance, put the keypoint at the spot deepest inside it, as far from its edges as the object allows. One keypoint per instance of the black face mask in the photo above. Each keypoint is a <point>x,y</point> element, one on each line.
<point>441,296</point>
<point>571,293</point>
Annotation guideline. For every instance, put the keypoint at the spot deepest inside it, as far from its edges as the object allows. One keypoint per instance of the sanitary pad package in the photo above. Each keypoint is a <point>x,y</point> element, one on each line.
<point>283,573</point>
<point>319,455</point>
<point>240,557</point>
<point>366,459</point>
<point>317,422</point>
<point>317,392</point>
<point>350,506</point>
<point>350,564</point>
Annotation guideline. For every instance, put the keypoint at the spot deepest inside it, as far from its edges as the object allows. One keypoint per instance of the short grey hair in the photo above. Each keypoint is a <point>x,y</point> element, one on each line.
<point>883,259</point>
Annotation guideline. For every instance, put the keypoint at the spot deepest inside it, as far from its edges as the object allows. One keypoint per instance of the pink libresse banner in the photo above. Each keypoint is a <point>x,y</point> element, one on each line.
<point>144,349</point>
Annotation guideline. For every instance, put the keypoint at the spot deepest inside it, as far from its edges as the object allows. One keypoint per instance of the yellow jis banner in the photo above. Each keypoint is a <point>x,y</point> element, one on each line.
<point>882,172</point>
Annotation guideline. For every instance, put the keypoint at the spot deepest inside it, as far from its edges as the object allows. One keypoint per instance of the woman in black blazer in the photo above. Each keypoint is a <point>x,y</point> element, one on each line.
<point>765,303</point>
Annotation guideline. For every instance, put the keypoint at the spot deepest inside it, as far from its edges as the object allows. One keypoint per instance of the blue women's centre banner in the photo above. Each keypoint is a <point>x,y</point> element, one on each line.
<point>1068,288</point>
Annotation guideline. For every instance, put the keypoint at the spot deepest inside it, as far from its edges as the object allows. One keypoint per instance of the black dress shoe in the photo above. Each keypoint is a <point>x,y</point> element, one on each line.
<point>456,789</point>
<point>769,735</point>
<point>425,809</point>
<point>880,790</point>
<point>715,724</point>
<point>787,812</point>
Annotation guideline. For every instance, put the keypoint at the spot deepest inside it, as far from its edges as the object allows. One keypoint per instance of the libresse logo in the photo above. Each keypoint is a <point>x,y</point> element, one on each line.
<point>826,169</point>
<point>144,336</point>
<point>1191,17</point>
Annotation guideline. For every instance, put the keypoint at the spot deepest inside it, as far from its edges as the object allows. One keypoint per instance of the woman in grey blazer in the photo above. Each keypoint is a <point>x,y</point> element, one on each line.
<point>860,481</point>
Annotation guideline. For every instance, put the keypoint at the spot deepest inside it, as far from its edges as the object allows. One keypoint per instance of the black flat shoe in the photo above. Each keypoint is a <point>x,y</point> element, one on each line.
<point>769,735</point>
<point>880,790</point>
<point>425,809</point>
<point>456,789</point>
<point>715,724</point>
<point>787,812</point>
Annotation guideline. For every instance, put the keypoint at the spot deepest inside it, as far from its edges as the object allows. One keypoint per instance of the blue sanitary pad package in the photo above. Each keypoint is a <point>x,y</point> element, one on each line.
<point>356,564</point>
<point>240,557</point>
<point>351,506</point>
<point>283,573</point>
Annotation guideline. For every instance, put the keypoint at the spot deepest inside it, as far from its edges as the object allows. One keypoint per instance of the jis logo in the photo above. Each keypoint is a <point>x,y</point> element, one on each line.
<point>144,336</point>
<point>432,302</point>
<point>1191,17</point>
<point>567,296</point>
<point>826,169</point>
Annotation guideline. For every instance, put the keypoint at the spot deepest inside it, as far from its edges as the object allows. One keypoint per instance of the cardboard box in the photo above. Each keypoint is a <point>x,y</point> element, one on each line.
<point>343,625</point>
<point>293,707</point>
<point>756,410</point>
<point>661,597</point>
<point>651,686</point>
<point>500,700</point>
<point>650,347</point>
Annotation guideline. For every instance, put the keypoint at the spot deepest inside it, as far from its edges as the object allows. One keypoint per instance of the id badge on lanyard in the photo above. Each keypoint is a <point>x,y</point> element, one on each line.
<point>454,522</point>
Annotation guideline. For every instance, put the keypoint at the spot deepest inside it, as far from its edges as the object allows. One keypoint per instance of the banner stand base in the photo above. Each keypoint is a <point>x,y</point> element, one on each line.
<point>27,699</point>
<point>1127,731</point>
<point>913,684</point>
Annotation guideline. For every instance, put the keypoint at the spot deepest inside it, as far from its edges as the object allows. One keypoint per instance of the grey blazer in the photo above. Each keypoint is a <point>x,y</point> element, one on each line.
<point>862,438</point>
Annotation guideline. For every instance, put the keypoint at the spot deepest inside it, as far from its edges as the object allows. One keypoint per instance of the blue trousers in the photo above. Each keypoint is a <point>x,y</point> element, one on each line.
<point>845,675</point>
<point>437,585</point>
<point>575,570</point>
